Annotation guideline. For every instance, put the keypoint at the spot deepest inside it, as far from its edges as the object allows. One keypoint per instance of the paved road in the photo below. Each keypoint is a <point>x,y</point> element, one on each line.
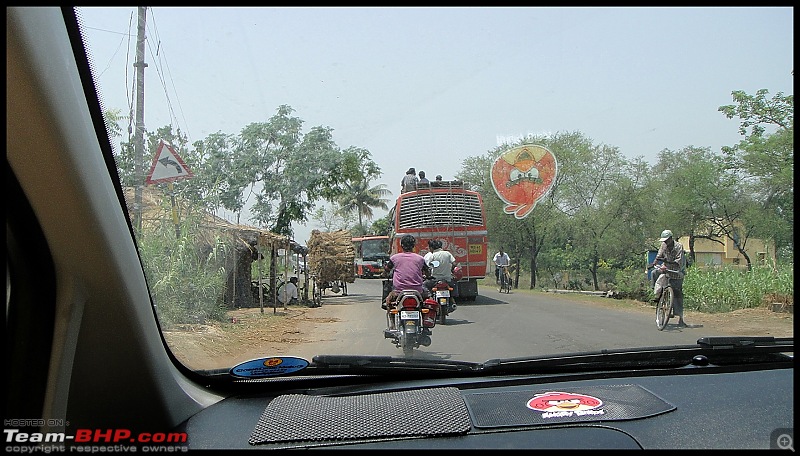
<point>494,325</point>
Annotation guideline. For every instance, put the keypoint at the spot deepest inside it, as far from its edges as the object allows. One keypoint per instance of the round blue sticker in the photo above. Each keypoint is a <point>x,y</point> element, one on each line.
<point>269,367</point>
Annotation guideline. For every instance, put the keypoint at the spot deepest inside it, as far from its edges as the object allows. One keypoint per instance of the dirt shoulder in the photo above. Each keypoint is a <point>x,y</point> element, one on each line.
<point>743,322</point>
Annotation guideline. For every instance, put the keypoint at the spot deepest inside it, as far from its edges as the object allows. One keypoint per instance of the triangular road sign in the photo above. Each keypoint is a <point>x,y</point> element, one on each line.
<point>167,166</point>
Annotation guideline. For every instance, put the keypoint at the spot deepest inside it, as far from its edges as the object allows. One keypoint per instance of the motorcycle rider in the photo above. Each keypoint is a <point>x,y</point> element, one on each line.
<point>445,267</point>
<point>407,270</point>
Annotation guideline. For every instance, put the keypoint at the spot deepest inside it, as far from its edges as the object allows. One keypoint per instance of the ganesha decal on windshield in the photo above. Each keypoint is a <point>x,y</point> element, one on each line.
<point>522,176</point>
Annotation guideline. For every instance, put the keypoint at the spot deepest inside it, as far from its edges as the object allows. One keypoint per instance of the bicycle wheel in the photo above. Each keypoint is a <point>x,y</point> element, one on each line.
<point>664,308</point>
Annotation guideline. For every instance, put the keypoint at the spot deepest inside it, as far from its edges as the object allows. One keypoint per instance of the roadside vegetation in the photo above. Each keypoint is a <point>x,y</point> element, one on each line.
<point>705,290</point>
<point>592,231</point>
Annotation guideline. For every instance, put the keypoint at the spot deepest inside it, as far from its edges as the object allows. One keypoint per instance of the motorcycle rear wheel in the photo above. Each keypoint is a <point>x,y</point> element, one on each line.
<point>407,343</point>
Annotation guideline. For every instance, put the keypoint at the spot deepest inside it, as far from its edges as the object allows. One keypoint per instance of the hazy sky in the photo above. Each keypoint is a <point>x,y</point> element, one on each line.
<point>428,87</point>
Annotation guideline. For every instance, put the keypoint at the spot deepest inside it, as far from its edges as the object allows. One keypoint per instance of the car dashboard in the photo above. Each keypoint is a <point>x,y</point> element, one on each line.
<point>696,407</point>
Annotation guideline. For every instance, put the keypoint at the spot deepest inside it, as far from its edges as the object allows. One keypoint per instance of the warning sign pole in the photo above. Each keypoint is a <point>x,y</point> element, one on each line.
<point>175,219</point>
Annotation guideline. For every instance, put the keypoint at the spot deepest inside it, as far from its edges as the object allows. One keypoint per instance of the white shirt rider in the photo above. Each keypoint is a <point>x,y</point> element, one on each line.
<point>501,259</point>
<point>444,270</point>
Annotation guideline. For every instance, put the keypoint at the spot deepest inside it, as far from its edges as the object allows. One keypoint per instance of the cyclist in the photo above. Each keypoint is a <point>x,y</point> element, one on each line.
<point>501,258</point>
<point>670,256</point>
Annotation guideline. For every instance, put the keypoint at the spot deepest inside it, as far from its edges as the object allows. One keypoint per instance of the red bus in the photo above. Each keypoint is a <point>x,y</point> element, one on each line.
<point>372,252</point>
<point>450,212</point>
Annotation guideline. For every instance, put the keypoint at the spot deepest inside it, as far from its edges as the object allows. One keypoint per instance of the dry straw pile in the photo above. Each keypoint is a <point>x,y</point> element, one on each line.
<point>331,255</point>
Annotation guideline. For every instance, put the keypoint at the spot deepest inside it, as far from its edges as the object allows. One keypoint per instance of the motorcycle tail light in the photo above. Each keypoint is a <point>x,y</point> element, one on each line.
<point>409,303</point>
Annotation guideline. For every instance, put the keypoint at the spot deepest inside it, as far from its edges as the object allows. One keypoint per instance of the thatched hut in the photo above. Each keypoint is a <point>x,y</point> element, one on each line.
<point>244,244</point>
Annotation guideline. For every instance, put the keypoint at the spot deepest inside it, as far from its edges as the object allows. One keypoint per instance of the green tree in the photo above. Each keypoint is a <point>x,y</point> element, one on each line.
<point>592,188</point>
<point>688,188</point>
<point>124,153</point>
<point>217,184</point>
<point>381,226</point>
<point>331,219</point>
<point>290,171</point>
<point>355,193</point>
<point>112,118</point>
<point>765,158</point>
<point>705,198</point>
<point>523,239</point>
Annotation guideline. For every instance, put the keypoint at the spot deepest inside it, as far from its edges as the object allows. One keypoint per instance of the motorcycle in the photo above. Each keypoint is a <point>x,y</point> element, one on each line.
<point>409,319</point>
<point>442,293</point>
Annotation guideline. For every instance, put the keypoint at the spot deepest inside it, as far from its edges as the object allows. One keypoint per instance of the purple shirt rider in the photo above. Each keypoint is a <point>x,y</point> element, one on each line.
<point>408,267</point>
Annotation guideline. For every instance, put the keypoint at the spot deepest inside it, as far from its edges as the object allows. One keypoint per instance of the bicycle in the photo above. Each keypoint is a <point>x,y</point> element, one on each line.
<point>664,310</point>
<point>505,280</point>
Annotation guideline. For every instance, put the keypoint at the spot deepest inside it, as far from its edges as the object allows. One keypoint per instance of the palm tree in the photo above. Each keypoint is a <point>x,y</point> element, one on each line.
<point>359,197</point>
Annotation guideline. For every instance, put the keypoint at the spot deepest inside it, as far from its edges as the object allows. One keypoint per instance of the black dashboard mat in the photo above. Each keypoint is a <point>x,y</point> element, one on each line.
<point>546,407</point>
<point>417,413</point>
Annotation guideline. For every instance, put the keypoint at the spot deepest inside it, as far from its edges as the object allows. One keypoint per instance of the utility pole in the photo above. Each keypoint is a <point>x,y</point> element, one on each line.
<point>139,65</point>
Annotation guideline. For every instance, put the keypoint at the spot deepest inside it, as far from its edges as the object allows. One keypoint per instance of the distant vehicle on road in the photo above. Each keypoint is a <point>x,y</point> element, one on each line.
<point>450,212</point>
<point>372,252</point>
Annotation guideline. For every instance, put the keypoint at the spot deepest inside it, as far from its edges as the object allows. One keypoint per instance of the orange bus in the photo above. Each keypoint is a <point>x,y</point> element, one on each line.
<point>372,252</point>
<point>450,212</point>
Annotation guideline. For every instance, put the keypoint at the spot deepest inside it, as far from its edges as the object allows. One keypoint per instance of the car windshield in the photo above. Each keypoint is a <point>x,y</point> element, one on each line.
<point>596,178</point>
<point>375,248</point>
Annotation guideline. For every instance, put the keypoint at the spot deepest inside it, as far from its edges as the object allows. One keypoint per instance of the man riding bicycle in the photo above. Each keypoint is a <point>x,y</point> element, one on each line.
<point>501,258</point>
<point>671,258</point>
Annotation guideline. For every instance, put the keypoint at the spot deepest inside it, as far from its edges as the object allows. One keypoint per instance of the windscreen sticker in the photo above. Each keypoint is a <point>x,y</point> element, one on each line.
<point>269,367</point>
<point>522,176</point>
<point>556,404</point>
<point>548,406</point>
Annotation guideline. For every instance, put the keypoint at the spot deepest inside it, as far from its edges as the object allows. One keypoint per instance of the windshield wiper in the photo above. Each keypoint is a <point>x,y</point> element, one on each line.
<point>361,363</point>
<point>709,350</point>
<point>743,341</point>
<point>715,350</point>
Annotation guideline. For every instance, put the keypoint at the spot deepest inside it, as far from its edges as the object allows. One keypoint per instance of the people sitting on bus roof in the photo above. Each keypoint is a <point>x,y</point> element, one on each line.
<point>423,181</point>
<point>409,182</point>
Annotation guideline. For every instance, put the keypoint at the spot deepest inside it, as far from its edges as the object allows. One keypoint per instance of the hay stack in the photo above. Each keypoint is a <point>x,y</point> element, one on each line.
<point>331,255</point>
